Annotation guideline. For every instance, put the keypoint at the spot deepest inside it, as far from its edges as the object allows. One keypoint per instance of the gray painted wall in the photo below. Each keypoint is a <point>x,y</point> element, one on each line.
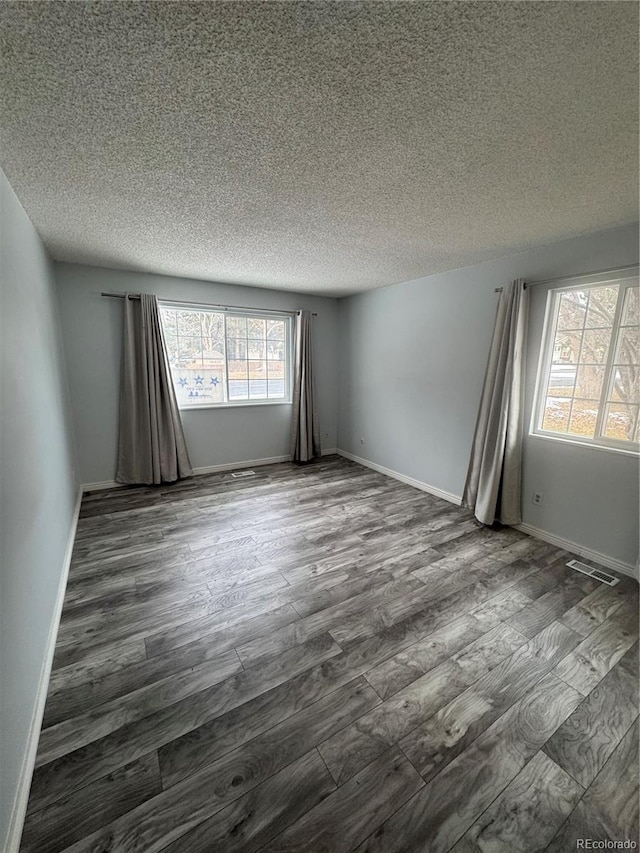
<point>413,357</point>
<point>37,486</point>
<point>92,327</point>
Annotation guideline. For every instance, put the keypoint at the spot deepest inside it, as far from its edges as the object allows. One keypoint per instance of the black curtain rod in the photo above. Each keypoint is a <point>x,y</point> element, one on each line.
<point>500,289</point>
<point>207,305</point>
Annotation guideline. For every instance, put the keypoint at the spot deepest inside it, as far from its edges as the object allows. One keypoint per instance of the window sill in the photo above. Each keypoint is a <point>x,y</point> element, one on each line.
<point>239,405</point>
<point>573,442</point>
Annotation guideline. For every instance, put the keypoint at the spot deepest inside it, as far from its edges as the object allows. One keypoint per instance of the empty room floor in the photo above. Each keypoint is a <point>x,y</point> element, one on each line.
<point>321,658</point>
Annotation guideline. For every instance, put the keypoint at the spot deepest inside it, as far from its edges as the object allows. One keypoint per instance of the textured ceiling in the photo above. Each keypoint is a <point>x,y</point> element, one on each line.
<point>317,146</point>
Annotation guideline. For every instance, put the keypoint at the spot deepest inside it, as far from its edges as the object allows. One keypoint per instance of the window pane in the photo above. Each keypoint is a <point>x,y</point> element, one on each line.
<point>237,327</point>
<point>566,347</point>
<point>621,422</point>
<point>556,414</point>
<point>595,346</point>
<point>195,348</point>
<point>188,323</point>
<point>257,389</point>
<point>276,329</point>
<point>572,309</point>
<point>238,390</point>
<point>625,387</point>
<point>589,381</point>
<point>628,346</point>
<point>213,360</point>
<point>276,369</point>
<point>256,328</point>
<point>255,349</point>
<point>602,306</point>
<point>212,331</point>
<point>276,350</point>
<point>172,352</point>
<point>562,379</point>
<point>583,418</point>
<point>236,348</point>
<point>189,351</point>
<point>237,369</point>
<point>631,314</point>
<point>257,379</point>
<point>257,369</point>
<point>169,321</point>
<point>276,389</point>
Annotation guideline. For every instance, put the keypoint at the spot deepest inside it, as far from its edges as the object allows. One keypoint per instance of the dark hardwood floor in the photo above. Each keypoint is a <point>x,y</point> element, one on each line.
<point>321,659</point>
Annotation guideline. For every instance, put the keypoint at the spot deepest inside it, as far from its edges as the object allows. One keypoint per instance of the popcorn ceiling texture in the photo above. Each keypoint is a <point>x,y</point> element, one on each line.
<point>317,146</point>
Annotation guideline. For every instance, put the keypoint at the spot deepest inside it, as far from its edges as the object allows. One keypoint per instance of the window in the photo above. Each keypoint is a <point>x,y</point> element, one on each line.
<point>224,357</point>
<point>589,376</point>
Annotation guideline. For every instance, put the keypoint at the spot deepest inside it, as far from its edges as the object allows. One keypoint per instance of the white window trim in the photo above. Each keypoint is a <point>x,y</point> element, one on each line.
<point>236,404</point>
<point>554,293</point>
<point>235,311</point>
<point>576,441</point>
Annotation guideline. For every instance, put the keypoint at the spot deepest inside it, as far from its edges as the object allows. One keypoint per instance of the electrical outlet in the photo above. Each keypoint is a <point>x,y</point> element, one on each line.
<point>537,499</point>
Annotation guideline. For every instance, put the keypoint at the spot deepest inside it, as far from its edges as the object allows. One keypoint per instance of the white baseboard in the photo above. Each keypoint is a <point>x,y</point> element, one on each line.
<point>248,463</point>
<point>552,539</point>
<point>580,550</point>
<point>19,811</point>
<point>206,469</point>
<point>98,487</point>
<point>417,484</point>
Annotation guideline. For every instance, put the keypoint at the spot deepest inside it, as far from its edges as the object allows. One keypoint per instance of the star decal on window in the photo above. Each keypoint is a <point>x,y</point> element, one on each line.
<point>215,380</point>
<point>199,380</point>
<point>182,382</point>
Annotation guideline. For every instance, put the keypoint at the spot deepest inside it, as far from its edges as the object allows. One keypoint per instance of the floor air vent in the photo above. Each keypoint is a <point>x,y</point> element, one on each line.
<point>598,574</point>
<point>238,474</point>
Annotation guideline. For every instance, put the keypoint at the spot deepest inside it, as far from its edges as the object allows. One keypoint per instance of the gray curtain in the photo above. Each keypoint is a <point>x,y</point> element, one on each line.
<point>151,447</point>
<point>493,484</point>
<point>305,430</point>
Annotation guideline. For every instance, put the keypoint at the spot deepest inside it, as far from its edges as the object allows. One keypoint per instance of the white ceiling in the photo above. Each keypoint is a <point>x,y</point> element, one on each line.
<point>317,146</point>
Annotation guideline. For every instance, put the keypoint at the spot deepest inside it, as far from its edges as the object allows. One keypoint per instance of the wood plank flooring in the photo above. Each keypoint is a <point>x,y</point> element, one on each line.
<point>321,659</point>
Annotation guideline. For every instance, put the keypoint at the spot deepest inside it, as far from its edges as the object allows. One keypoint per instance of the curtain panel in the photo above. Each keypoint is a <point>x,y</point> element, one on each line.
<point>305,429</point>
<point>493,487</point>
<point>151,446</point>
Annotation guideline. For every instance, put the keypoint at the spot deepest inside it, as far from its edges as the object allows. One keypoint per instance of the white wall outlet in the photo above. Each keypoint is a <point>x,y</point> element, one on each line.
<point>537,499</point>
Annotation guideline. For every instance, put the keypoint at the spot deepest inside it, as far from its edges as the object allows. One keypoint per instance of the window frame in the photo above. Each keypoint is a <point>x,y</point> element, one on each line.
<point>230,312</point>
<point>625,278</point>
